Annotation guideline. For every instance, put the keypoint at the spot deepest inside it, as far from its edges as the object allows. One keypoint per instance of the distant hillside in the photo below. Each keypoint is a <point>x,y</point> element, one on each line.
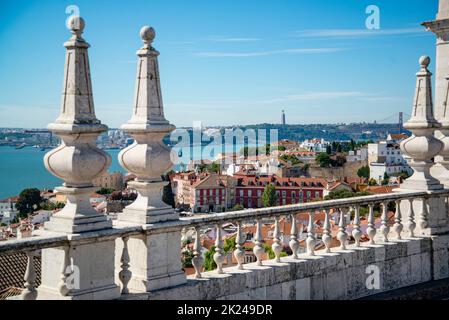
<point>330,132</point>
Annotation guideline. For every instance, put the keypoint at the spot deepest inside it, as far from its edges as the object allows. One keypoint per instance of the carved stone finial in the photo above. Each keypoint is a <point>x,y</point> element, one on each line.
<point>424,61</point>
<point>422,146</point>
<point>147,34</point>
<point>77,160</point>
<point>76,25</point>
<point>148,157</point>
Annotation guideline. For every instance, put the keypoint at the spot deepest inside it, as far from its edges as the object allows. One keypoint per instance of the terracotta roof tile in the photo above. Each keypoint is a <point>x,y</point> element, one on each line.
<point>12,270</point>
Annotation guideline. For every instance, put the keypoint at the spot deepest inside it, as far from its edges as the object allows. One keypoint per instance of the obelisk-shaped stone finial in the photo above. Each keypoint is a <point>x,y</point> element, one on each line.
<point>77,105</point>
<point>422,146</point>
<point>77,160</point>
<point>156,256</point>
<point>148,157</point>
<point>148,109</point>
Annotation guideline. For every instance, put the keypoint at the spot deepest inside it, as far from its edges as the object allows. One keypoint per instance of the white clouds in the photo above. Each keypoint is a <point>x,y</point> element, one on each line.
<point>232,39</point>
<point>357,33</point>
<point>222,54</point>
<point>318,96</point>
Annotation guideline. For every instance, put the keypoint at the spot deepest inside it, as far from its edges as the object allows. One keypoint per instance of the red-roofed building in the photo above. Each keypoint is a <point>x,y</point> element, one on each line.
<point>249,190</point>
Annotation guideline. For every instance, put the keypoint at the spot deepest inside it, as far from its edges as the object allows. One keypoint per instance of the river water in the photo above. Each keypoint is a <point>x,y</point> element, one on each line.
<point>24,168</point>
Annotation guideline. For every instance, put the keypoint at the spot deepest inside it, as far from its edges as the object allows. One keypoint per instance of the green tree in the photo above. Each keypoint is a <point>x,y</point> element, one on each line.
<point>329,150</point>
<point>386,179</point>
<point>214,167</point>
<point>238,207</point>
<point>372,182</point>
<point>364,172</point>
<point>352,145</point>
<point>209,263</point>
<point>269,196</point>
<point>29,200</point>
<point>186,258</point>
<point>51,205</point>
<point>339,148</point>
<point>323,159</point>
<point>106,191</point>
<point>167,193</point>
<point>229,244</point>
<point>270,252</point>
<point>290,158</point>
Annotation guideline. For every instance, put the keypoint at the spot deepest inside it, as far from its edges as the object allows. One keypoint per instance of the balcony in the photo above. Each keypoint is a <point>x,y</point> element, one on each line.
<point>84,255</point>
<point>402,251</point>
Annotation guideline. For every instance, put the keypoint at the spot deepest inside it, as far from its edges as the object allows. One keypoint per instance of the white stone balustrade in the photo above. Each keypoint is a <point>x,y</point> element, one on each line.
<point>141,252</point>
<point>257,217</point>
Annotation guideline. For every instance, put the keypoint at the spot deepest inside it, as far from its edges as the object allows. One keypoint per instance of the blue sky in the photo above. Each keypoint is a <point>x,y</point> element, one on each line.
<point>222,62</point>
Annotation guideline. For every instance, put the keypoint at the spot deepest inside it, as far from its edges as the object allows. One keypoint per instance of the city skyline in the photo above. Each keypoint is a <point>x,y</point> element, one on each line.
<point>241,70</point>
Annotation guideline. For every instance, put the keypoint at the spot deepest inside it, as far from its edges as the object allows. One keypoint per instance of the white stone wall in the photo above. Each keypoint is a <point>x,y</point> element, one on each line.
<point>338,275</point>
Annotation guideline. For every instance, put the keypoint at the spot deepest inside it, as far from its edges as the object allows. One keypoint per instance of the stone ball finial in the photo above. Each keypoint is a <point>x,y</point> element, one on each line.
<point>424,61</point>
<point>76,25</point>
<point>147,34</point>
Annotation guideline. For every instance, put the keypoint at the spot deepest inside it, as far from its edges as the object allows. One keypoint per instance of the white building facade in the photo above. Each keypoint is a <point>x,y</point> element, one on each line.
<point>386,158</point>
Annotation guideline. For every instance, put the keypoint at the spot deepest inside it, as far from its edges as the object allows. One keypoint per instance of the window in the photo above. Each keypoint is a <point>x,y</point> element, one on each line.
<point>259,193</point>
<point>284,194</point>
<point>241,193</point>
<point>293,194</point>
<point>250,193</point>
<point>309,194</point>
<point>317,194</point>
<point>284,202</point>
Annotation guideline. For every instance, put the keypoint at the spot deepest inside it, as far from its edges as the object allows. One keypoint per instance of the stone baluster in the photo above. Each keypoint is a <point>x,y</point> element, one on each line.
<point>327,235</point>
<point>424,214</point>
<point>239,254</point>
<point>30,293</point>
<point>422,146</point>
<point>398,220</point>
<point>342,234</point>
<point>411,225</point>
<point>385,229</point>
<point>78,161</point>
<point>294,243</point>
<point>63,286</point>
<point>197,259</point>
<point>125,274</point>
<point>310,241</point>
<point>156,258</point>
<point>258,248</point>
<point>356,231</point>
<point>277,246</point>
<point>218,255</point>
<point>371,230</point>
